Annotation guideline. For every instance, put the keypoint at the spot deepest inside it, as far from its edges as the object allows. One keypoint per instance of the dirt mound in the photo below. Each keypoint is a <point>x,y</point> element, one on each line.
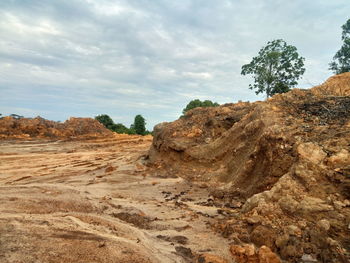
<point>338,85</point>
<point>287,160</point>
<point>26,128</point>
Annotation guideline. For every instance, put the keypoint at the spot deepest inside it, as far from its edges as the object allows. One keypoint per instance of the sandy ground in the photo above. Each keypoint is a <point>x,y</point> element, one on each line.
<point>95,201</point>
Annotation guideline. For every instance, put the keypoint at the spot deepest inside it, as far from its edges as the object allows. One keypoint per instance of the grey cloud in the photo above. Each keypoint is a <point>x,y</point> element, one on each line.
<point>150,57</point>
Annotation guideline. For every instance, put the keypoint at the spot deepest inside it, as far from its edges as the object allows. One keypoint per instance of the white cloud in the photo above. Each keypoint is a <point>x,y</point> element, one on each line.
<point>13,23</point>
<point>198,75</point>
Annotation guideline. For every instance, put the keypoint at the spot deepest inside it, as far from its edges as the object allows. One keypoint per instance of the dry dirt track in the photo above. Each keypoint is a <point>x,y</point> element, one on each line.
<point>94,201</point>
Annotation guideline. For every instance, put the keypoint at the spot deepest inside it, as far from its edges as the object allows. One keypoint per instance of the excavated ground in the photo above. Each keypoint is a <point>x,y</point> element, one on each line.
<point>95,201</point>
<point>282,166</point>
<point>263,182</point>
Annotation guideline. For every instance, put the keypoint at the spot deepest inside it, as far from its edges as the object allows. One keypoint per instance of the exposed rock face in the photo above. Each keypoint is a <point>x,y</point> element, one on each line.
<point>286,159</point>
<point>38,127</point>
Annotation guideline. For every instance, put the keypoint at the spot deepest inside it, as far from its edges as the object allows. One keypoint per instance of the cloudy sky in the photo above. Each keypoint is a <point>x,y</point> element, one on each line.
<point>67,58</point>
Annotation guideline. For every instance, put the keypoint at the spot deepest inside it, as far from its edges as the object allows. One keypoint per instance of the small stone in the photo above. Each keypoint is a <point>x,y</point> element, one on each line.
<point>339,205</point>
<point>331,242</point>
<point>109,169</point>
<point>263,236</point>
<point>242,251</point>
<point>209,258</point>
<point>101,244</point>
<point>324,224</point>
<point>289,251</point>
<point>267,256</point>
<point>253,202</point>
<point>282,241</point>
<point>302,224</point>
<point>307,258</point>
<point>293,230</point>
<point>207,140</point>
<point>234,204</point>
<point>340,159</point>
<point>311,152</point>
<point>253,219</point>
<point>313,205</point>
<point>288,204</point>
<point>184,251</point>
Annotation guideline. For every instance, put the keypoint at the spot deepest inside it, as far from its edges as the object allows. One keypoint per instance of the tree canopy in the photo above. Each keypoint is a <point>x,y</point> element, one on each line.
<point>105,120</point>
<point>198,103</point>
<point>139,125</point>
<point>116,127</point>
<point>276,69</point>
<point>341,59</point>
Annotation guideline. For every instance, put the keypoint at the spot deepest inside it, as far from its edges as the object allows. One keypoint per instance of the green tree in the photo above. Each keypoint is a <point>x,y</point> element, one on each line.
<point>276,69</point>
<point>109,124</point>
<point>140,125</point>
<point>198,103</point>
<point>341,59</point>
<point>132,129</point>
<point>120,128</point>
<point>106,121</point>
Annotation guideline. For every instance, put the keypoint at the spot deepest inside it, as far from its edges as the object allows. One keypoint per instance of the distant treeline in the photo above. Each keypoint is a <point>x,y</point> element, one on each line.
<point>138,127</point>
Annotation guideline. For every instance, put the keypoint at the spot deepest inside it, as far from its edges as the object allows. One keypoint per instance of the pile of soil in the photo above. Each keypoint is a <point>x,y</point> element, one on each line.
<point>27,128</point>
<point>280,168</point>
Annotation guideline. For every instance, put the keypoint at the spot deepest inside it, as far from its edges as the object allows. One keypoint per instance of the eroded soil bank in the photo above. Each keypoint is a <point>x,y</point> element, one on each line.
<point>283,164</point>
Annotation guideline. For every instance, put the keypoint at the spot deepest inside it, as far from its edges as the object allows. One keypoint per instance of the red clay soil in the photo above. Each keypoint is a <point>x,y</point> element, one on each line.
<point>279,169</point>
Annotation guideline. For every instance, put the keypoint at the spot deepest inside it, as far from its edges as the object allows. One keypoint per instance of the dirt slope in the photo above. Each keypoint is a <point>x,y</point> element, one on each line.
<point>282,166</point>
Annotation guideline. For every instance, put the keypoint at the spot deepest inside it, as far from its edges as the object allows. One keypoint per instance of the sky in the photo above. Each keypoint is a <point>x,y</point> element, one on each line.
<point>82,58</point>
